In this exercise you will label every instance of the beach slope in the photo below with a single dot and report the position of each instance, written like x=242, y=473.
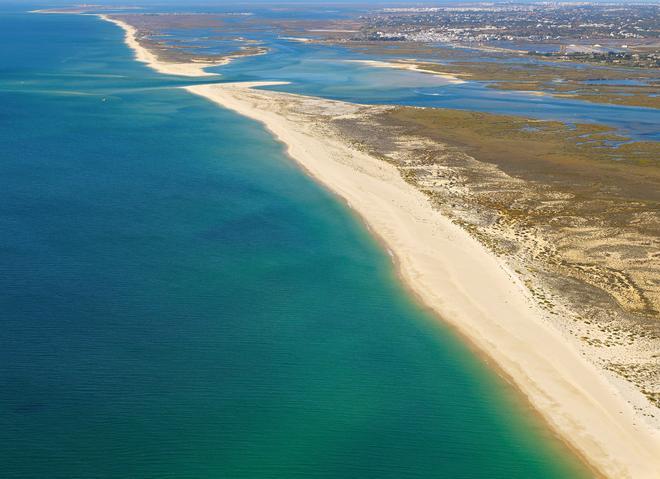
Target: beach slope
x=463, y=282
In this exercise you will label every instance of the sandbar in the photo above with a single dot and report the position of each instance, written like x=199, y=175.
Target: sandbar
x=410, y=66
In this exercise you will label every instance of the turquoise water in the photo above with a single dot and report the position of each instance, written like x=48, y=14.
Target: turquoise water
x=180, y=301
x=323, y=70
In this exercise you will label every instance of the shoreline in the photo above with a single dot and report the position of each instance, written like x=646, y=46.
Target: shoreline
x=467, y=287
x=410, y=65
x=143, y=55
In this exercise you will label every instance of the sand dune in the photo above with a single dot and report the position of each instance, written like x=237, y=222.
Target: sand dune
x=463, y=282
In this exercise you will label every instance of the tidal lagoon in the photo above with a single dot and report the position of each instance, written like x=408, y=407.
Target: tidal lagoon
x=180, y=300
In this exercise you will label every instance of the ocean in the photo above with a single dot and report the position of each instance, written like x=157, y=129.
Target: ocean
x=179, y=300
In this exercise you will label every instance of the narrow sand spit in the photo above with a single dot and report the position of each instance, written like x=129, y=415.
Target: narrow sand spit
x=169, y=68
x=411, y=66
x=464, y=283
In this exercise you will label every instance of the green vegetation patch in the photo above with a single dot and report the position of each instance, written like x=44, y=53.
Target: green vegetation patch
x=547, y=151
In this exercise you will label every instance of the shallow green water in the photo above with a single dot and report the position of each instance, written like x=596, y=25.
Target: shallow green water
x=180, y=301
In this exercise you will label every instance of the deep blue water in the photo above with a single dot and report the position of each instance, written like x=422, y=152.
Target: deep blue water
x=180, y=301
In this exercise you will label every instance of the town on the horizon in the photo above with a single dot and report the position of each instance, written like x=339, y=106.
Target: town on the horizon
x=622, y=33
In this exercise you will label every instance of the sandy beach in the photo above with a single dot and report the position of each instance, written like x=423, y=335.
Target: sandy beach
x=464, y=283
x=144, y=55
x=453, y=274
x=410, y=66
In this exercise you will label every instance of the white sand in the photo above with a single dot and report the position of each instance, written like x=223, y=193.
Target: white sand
x=454, y=275
x=411, y=66
x=146, y=56
x=466, y=285
x=297, y=39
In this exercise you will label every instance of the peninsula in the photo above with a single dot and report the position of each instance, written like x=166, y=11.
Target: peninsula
x=465, y=223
